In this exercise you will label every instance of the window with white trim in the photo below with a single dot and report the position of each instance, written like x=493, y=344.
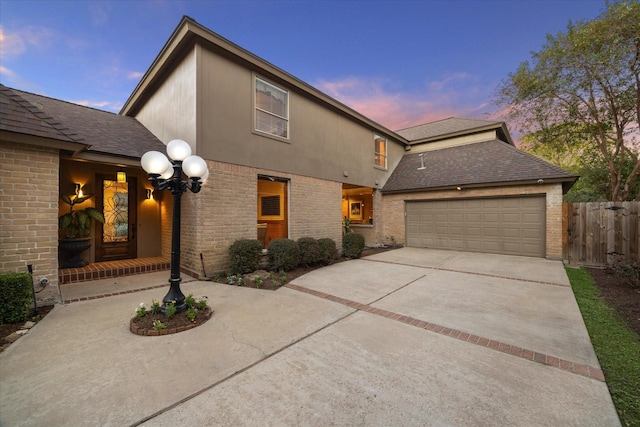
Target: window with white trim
x=380, y=151
x=271, y=109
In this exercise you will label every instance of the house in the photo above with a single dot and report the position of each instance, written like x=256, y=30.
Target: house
x=285, y=160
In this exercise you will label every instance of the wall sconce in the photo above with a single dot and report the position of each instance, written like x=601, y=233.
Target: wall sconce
x=121, y=176
x=79, y=190
x=459, y=188
x=149, y=194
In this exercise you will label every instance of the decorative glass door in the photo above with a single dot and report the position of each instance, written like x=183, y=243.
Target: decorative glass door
x=116, y=238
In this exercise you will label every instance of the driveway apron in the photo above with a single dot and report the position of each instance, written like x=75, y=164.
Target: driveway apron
x=405, y=337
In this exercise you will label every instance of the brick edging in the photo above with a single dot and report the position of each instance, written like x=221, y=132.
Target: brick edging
x=154, y=333
x=531, y=355
x=112, y=294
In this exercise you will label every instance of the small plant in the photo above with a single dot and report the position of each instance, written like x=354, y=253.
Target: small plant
x=141, y=311
x=259, y=281
x=192, y=313
x=328, y=250
x=190, y=301
x=346, y=226
x=244, y=255
x=77, y=223
x=283, y=276
x=170, y=310
x=235, y=279
x=157, y=325
x=284, y=254
x=202, y=303
x=310, y=252
x=352, y=245
x=155, y=306
x=220, y=277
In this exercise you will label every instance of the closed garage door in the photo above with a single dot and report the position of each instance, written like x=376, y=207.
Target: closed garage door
x=512, y=226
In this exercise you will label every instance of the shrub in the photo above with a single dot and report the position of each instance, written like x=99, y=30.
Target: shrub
x=352, y=245
x=309, y=251
x=244, y=255
x=283, y=254
x=16, y=294
x=328, y=250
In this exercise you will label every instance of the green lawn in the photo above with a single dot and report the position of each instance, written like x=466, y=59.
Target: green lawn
x=617, y=347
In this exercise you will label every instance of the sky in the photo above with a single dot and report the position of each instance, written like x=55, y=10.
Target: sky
x=400, y=63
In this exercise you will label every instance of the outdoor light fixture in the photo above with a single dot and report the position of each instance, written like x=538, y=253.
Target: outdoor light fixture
x=167, y=174
x=121, y=176
x=149, y=194
x=79, y=190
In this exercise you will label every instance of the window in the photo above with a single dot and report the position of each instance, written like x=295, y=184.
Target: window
x=380, y=151
x=272, y=109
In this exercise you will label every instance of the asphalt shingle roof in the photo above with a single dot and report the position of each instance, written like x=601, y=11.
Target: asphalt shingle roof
x=489, y=162
x=20, y=116
x=444, y=127
x=104, y=132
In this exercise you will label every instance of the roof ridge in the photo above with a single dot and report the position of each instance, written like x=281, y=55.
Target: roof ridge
x=15, y=94
x=540, y=160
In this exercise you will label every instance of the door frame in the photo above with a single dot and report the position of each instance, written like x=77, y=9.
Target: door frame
x=117, y=250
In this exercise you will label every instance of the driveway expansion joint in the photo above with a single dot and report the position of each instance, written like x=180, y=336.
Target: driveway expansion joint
x=451, y=270
x=531, y=355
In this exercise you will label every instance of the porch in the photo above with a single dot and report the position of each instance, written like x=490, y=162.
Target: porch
x=105, y=270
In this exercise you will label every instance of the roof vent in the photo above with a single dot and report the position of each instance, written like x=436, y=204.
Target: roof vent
x=422, y=167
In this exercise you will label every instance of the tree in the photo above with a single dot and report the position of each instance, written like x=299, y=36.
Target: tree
x=582, y=90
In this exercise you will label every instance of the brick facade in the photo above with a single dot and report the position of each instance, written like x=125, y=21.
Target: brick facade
x=393, y=209
x=29, y=206
x=225, y=210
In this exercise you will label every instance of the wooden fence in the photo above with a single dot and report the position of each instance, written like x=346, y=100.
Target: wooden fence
x=595, y=233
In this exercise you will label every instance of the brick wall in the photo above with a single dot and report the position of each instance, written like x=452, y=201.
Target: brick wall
x=225, y=210
x=394, y=221
x=29, y=206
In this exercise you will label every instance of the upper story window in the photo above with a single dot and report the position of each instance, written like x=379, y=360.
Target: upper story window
x=272, y=109
x=380, y=151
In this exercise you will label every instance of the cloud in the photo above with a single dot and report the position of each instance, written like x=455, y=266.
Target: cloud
x=15, y=43
x=135, y=75
x=7, y=72
x=113, y=106
x=458, y=95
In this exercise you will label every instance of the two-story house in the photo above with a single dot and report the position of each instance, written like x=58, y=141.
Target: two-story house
x=285, y=160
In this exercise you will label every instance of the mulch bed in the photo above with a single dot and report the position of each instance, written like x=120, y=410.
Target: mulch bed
x=177, y=323
x=620, y=295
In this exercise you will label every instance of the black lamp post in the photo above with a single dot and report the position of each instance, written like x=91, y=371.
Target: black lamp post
x=165, y=174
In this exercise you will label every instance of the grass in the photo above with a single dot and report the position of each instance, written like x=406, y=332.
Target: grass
x=617, y=347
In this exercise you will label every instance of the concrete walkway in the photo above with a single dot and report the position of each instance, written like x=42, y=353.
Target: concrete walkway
x=406, y=337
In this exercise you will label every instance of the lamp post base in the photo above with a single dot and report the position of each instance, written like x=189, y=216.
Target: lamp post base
x=174, y=296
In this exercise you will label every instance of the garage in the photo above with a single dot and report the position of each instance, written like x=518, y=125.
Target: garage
x=506, y=225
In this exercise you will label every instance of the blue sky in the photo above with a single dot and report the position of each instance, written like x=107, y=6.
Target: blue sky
x=400, y=63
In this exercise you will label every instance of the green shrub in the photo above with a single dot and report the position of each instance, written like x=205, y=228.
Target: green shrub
x=310, y=253
x=328, y=250
x=352, y=245
x=16, y=294
x=284, y=254
x=244, y=255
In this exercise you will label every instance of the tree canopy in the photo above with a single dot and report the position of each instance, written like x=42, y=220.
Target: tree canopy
x=578, y=99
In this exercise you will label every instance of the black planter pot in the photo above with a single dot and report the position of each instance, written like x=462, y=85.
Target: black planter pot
x=73, y=249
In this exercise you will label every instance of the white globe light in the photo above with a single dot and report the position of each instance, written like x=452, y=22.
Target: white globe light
x=204, y=178
x=154, y=162
x=178, y=149
x=168, y=174
x=194, y=166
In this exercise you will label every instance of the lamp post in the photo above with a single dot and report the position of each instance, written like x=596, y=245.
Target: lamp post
x=167, y=174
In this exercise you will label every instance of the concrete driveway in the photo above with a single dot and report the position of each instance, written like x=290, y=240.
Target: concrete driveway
x=406, y=337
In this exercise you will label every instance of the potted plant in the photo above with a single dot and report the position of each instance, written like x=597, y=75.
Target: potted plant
x=75, y=227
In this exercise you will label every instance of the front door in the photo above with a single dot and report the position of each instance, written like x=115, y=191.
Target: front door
x=116, y=238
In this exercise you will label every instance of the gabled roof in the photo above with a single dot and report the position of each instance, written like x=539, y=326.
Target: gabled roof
x=451, y=127
x=100, y=131
x=189, y=32
x=481, y=164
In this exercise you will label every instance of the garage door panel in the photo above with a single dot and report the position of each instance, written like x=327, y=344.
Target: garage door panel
x=512, y=225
